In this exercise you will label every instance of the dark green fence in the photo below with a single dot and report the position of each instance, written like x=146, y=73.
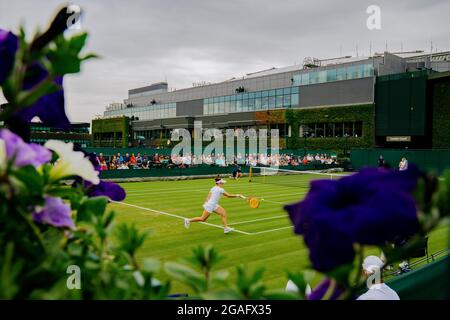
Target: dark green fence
x=200, y=170
x=431, y=160
x=428, y=282
x=142, y=151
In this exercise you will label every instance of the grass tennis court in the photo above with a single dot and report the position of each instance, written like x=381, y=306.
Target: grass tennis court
x=262, y=237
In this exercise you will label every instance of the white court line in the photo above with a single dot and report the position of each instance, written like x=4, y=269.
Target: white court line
x=176, y=216
x=262, y=219
x=271, y=230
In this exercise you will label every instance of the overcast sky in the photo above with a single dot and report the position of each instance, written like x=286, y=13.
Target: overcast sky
x=186, y=41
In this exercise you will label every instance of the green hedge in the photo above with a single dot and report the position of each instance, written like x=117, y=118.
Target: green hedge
x=364, y=113
x=441, y=115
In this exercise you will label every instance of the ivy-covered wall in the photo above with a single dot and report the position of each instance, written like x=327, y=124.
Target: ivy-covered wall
x=441, y=114
x=364, y=113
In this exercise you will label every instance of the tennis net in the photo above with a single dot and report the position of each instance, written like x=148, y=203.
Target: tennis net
x=288, y=177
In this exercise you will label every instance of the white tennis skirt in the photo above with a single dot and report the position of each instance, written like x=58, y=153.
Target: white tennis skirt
x=210, y=207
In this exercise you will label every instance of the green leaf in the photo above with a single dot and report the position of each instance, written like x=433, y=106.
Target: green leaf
x=186, y=275
x=32, y=180
x=77, y=42
x=92, y=208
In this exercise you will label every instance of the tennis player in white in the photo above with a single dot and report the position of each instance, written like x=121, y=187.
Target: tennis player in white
x=212, y=205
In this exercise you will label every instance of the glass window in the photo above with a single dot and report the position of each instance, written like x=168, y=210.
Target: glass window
x=272, y=102
x=251, y=104
x=216, y=99
x=341, y=74
x=227, y=106
x=239, y=96
x=287, y=100
x=233, y=98
x=221, y=107
x=338, y=129
x=279, y=102
x=348, y=128
x=286, y=91
x=331, y=75
x=297, y=80
x=216, y=108
x=279, y=92
x=367, y=70
x=251, y=95
x=272, y=93
x=232, y=106
x=238, y=105
x=245, y=105
x=352, y=72
x=294, y=90
x=227, y=98
x=358, y=129
x=245, y=96
x=294, y=100
x=265, y=103
x=305, y=78
x=329, y=130
x=320, y=130
x=221, y=99
x=323, y=76
x=313, y=77
x=258, y=104
x=258, y=94
x=265, y=93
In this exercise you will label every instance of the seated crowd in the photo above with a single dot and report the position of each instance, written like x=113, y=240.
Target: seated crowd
x=145, y=161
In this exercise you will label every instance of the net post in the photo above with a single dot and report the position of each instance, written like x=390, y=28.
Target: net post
x=250, y=174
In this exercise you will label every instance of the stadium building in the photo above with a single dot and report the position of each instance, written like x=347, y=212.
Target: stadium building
x=78, y=133
x=387, y=100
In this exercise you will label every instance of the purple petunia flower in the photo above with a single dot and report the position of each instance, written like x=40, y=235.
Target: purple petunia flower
x=8, y=48
x=50, y=108
x=322, y=291
x=23, y=153
x=55, y=213
x=371, y=207
x=109, y=189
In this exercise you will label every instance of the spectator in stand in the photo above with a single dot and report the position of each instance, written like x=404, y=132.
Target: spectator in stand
x=381, y=162
x=403, y=165
x=139, y=160
x=378, y=290
x=126, y=159
x=119, y=159
x=133, y=160
x=102, y=161
x=113, y=163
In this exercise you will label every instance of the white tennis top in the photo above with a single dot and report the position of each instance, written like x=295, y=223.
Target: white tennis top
x=379, y=291
x=216, y=194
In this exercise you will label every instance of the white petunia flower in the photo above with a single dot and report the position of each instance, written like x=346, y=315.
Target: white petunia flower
x=71, y=163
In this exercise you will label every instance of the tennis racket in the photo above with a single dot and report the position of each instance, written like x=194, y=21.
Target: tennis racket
x=253, y=202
